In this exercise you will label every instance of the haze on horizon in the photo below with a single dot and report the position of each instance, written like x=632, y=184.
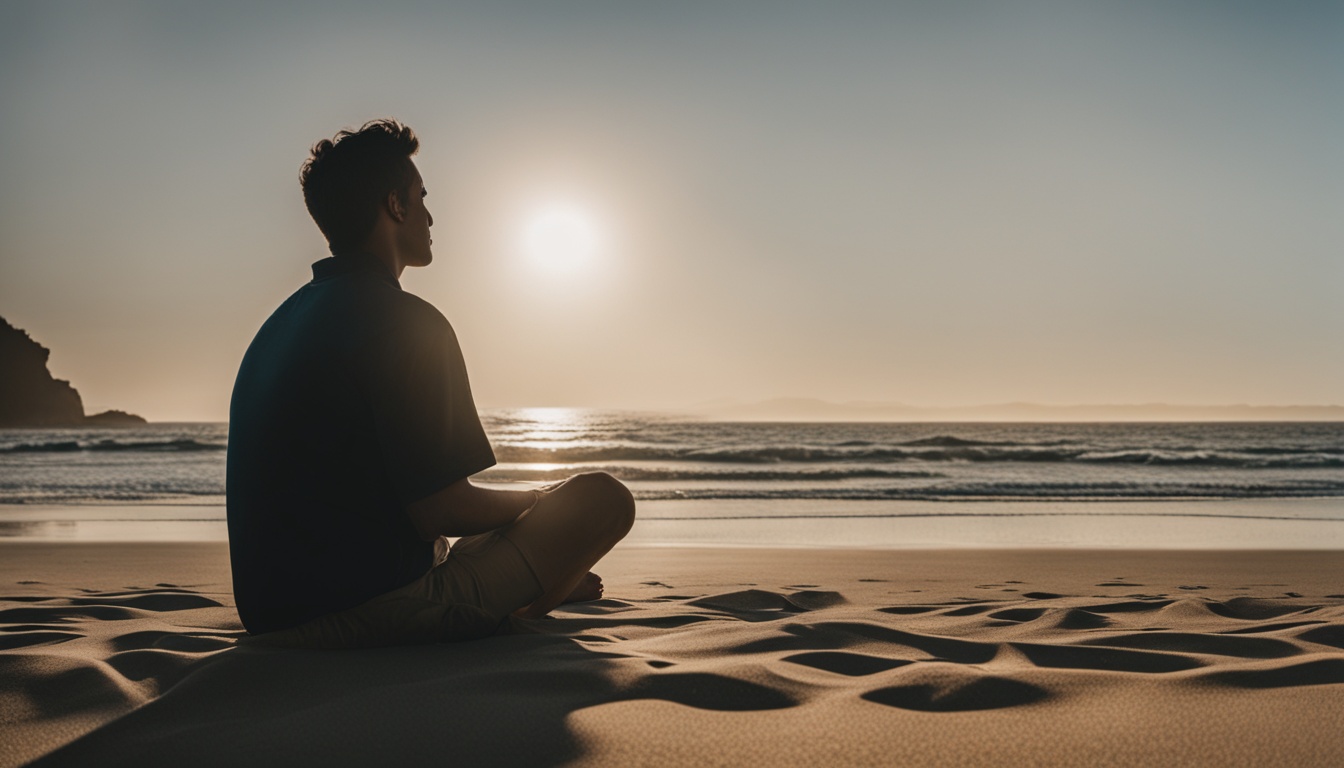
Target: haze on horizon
x=939, y=204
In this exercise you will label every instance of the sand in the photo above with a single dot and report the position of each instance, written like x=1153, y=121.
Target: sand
x=125, y=655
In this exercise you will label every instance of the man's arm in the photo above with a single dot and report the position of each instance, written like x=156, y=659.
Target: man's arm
x=463, y=509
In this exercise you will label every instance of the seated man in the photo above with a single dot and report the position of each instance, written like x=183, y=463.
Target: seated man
x=353, y=435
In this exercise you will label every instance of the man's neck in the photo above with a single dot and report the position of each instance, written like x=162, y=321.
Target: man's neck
x=382, y=249
x=391, y=261
x=388, y=261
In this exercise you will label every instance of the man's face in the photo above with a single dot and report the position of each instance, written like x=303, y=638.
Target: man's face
x=415, y=238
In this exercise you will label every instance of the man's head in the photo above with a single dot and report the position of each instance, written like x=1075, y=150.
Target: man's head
x=350, y=181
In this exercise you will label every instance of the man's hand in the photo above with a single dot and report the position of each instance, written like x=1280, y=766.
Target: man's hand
x=463, y=509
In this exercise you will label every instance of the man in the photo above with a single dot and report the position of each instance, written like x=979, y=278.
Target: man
x=353, y=435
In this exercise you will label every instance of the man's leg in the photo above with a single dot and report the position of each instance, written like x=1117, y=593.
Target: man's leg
x=568, y=530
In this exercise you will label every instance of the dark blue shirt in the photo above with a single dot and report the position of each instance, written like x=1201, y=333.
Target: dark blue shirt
x=351, y=403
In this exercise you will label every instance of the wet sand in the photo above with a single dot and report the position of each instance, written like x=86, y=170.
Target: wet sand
x=124, y=654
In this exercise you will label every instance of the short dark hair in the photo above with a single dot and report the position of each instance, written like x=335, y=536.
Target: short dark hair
x=346, y=178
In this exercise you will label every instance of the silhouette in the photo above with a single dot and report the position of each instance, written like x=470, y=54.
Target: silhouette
x=353, y=437
x=31, y=397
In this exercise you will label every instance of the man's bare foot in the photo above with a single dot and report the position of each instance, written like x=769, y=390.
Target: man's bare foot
x=588, y=588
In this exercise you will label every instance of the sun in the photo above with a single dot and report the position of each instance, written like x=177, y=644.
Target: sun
x=561, y=238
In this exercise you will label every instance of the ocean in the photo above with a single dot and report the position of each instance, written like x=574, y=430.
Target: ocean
x=773, y=483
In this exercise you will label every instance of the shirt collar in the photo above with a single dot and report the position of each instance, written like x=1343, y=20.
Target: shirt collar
x=347, y=262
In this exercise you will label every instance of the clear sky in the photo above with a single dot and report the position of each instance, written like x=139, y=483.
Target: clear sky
x=937, y=203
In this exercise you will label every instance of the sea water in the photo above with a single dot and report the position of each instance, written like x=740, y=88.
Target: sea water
x=780, y=484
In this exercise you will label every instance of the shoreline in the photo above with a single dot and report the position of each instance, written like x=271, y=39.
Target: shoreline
x=1229, y=524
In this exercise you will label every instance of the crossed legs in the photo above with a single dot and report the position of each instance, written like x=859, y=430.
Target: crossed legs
x=566, y=532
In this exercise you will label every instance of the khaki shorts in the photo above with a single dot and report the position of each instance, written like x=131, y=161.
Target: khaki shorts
x=470, y=593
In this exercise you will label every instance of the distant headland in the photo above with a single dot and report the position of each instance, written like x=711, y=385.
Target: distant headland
x=30, y=397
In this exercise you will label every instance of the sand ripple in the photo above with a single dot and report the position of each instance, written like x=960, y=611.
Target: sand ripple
x=158, y=670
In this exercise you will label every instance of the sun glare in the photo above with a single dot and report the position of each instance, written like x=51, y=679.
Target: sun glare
x=561, y=238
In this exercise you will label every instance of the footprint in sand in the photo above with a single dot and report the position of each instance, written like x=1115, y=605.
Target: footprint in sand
x=1063, y=618
x=174, y=641
x=909, y=609
x=1128, y=606
x=60, y=614
x=1254, y=609
x=164, y=668
x=12, y=639
x=972, y=610
x=599, y=607
x=1018, y=614
x=959, y=694
x=108, y=606
x=833, y=635
x=150, y=601
x=1331, y=635
x=622, y=619
x=845, y=663
x=1193, y=642
x=1105, y=659
x=761, y=605
x=1261, y=628
x=707, y=691
x=1317, y=672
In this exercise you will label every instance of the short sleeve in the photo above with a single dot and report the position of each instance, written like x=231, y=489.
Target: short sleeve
x=425, y=422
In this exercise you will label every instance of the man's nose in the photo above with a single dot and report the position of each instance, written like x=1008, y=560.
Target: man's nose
x=431, y=218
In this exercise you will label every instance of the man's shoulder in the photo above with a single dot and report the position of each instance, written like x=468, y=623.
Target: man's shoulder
x=419, y=309
x=409, y=315
x=379, y=305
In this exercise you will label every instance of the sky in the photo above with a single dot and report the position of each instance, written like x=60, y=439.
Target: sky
x=936, y=203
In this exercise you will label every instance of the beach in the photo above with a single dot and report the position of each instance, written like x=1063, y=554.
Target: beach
x=791, y=594
x=973, y=370
x=127, y=653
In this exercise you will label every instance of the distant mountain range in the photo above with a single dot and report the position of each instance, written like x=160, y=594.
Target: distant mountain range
x=810, y=409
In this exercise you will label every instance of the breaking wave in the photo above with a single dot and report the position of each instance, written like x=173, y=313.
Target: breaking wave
x=805, y=454
x=1020, y=491
x=156, y=446
x=727, y=475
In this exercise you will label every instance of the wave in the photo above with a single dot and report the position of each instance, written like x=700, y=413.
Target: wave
x=952, y=441
x=157, y=446
x=949, y=441
x=1238, y=459
x=655, y=474
x=175, y=496
x=1242, y=459
x=1016, y=491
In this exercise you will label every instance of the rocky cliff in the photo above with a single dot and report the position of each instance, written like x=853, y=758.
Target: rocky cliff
x=30, y=397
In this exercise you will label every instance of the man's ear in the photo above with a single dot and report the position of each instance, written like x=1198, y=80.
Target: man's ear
x=395, y=208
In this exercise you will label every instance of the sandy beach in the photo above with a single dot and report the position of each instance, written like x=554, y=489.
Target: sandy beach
x=117, y=654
